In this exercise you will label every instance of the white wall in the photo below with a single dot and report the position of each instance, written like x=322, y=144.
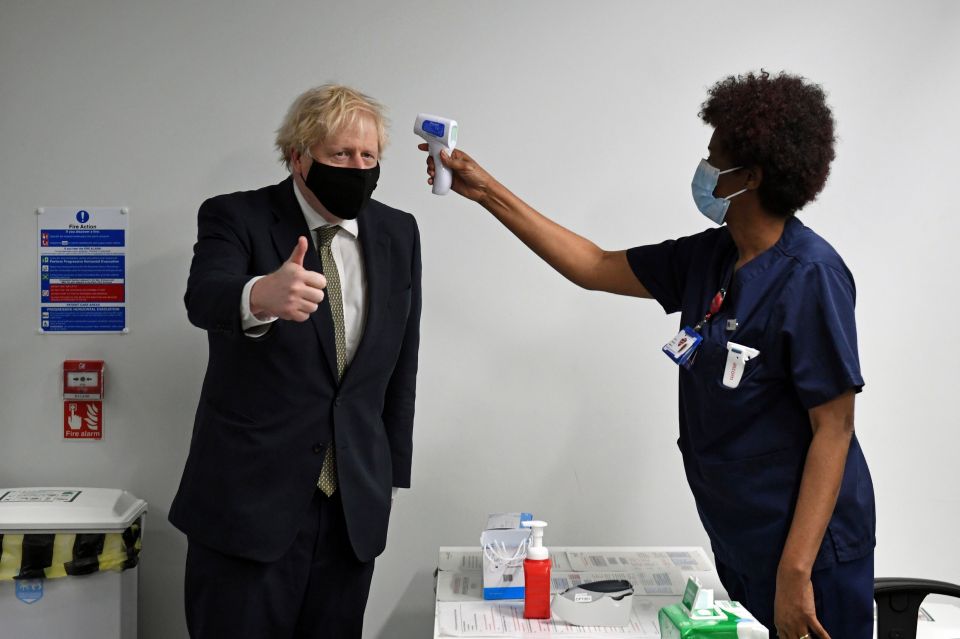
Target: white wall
x=588, y=110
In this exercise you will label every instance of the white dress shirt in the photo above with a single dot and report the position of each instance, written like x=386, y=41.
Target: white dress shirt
x=348, y=258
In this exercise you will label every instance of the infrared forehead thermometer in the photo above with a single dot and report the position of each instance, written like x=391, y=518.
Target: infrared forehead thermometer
x=440, y=133
x=737, y=357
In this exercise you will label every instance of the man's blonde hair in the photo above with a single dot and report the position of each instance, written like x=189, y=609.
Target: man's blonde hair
x=323, y=111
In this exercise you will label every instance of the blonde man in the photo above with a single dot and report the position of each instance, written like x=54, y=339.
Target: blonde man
x=309, y=291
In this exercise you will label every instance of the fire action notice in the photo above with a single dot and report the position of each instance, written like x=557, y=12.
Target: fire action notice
x=83, y=270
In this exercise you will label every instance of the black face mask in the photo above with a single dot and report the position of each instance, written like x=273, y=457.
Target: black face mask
x=343, y=191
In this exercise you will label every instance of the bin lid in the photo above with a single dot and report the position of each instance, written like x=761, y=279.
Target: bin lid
x=52, y=510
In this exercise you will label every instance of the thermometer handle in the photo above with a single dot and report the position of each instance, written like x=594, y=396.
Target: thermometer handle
x=443, y=177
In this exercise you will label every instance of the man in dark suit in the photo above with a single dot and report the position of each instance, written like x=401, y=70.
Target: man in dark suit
x=310, y=295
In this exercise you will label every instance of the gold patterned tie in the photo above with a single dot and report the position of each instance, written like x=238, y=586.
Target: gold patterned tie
x=325, y=235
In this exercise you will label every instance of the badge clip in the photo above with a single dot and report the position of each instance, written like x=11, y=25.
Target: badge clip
x=737, y=358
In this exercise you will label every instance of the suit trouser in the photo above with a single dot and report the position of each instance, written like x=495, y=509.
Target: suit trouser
x=842, y=594
x=317, y=590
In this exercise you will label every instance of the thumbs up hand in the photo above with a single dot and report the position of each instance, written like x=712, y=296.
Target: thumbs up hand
x=291, y=292
x=299, y=251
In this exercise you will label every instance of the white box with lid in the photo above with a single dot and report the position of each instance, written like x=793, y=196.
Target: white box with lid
x=101, y=604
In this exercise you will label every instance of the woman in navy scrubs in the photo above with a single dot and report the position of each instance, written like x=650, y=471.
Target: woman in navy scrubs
x=767, y=387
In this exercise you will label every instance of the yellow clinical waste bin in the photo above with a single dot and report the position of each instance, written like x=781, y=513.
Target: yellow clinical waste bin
x=69, y=562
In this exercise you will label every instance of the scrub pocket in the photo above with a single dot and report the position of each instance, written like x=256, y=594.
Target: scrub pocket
x=711, y=363
x=748, y=504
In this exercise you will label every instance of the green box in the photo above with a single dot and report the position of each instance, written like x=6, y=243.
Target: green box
x=725, y=620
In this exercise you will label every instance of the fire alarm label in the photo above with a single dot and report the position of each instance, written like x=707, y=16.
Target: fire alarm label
x=83, y=419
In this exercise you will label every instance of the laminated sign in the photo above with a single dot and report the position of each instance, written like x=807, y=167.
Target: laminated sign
x=82, y=276
x=83, y=419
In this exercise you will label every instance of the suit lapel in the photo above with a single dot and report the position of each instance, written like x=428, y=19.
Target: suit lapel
x=375, y=244
x=290, y=225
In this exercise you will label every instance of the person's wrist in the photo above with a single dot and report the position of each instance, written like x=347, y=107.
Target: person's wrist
x=492, y=195
x=792, y=569
x=257, y=309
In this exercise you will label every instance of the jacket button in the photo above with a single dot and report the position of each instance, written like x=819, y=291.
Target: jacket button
x=317, y=449
x=336, y=402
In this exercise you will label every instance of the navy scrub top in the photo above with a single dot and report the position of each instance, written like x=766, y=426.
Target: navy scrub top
x=744, y=448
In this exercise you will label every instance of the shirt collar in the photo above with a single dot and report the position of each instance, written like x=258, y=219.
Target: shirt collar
x=315, y=220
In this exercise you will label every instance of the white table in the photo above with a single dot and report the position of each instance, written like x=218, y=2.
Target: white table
x=459, y=576
x=941, y=621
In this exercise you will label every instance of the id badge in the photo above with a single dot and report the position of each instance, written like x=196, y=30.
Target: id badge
x=682, y=348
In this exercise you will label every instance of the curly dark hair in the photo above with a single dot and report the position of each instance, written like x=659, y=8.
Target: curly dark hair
x=781, y=123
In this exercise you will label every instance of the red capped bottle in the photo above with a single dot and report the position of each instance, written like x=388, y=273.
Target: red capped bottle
x=536, y=574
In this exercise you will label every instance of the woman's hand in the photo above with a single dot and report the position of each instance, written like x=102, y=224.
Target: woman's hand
x=469, y=178
x=794, y=612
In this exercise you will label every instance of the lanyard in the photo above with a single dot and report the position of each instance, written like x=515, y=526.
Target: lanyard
x=717, y=302
x=715, y=305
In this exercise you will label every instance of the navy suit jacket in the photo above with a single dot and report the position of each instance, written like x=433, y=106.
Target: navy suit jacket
x=270, y=405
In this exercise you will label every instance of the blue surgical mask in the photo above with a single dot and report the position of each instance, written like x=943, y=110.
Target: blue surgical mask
x=703, y=185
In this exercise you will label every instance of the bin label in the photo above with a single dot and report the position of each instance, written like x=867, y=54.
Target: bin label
x=38, y=495
x=29, y=590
